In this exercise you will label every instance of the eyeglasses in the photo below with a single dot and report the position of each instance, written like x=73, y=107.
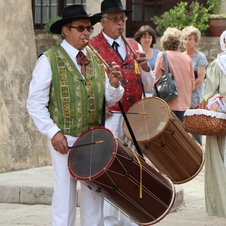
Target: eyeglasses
x=81, y=28
x=117, y=19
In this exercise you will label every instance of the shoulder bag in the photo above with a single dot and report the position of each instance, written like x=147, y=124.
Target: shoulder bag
x=166, y=87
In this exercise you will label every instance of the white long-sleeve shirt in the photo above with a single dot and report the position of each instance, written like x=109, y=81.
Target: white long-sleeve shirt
x=38, y=96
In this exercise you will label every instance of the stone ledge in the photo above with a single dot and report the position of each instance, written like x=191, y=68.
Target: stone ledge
x=29, y=195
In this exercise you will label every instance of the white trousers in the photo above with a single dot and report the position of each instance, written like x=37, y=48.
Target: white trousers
x=63, y=210
x=112, y=216
x=91, y=209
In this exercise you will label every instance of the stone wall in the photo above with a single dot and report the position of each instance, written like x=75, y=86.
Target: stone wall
x=21, y=145
x=210, y=46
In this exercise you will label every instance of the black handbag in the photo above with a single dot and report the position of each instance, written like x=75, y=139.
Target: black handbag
x=166, y=87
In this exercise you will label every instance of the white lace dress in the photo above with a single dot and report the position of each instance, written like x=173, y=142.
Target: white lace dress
x=215, y=174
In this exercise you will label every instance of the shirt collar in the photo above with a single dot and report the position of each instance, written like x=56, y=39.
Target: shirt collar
x=110, y=40
x=71, y=50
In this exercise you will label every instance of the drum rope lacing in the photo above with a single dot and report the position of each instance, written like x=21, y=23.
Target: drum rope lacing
x=182, y=167
x=164, y=145
x=141, y=177
x=124, y=195
x=176, y=159
x=132, y=179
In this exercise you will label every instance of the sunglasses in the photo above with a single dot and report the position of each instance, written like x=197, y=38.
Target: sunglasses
x=82, y=28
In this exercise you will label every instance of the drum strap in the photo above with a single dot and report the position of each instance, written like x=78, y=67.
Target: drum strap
x=130, y=130
x=143, y=90
x=103, y=113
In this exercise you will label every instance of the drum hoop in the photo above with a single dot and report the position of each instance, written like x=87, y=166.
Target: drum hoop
x=108, y=164
x=169, y=116
x=166, y=124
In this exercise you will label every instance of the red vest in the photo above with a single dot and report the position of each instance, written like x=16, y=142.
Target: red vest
x=130, y=80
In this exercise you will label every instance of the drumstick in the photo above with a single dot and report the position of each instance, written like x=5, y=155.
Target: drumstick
x=123, y=142
x=97, y=142
x=135, y=113
x=98, y=55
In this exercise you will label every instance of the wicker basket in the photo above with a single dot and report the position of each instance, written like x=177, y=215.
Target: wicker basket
x=205, y=122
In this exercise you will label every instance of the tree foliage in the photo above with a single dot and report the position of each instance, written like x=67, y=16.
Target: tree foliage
x=183, y=15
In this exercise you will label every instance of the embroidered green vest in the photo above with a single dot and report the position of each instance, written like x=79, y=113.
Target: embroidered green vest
x=75, y=104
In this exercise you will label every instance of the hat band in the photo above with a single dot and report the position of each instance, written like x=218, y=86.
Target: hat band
x=114, y=9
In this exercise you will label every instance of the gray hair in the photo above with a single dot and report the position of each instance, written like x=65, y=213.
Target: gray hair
x=68, y=25
x=171, y=39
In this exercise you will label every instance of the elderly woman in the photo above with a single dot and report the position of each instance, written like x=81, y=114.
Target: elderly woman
x=147, y=36
x=191, y=37
x=181, y=67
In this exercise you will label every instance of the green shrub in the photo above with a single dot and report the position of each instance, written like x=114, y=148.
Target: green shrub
x=183, y=15
x=50, y=22
x=214, y=5
x=212, y=16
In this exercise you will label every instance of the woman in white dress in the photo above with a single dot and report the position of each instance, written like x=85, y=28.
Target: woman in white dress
x=215, y=149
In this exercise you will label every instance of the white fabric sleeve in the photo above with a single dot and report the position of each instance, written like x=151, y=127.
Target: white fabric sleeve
x=38, y=98
x=112, y=95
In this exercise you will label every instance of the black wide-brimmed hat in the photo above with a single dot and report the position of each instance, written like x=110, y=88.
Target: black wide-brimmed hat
x=111, y=6
x=70, y=13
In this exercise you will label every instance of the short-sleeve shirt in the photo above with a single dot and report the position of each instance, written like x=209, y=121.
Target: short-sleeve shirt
x=197, y=95
x=152, y=61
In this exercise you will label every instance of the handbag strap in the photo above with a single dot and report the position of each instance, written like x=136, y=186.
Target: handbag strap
x=165, y=62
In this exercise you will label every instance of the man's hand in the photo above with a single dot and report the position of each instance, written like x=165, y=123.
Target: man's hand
x=59, y=142
x=142, y=60
x=107, y=113
x=114, y=74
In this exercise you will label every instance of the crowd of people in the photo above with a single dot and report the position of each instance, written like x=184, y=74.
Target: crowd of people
x=71, y=92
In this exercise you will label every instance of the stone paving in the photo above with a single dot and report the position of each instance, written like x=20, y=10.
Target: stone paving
x=192, y=211
x=25, y=198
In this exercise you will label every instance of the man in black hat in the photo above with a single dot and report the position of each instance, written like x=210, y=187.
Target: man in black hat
x=66, y=99
x=135, y=74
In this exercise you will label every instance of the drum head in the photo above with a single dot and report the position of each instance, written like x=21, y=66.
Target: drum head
x=91, y=160
x=150, y=125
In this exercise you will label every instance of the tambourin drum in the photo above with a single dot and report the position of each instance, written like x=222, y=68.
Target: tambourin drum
x=163, y=140
x=114, y=171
